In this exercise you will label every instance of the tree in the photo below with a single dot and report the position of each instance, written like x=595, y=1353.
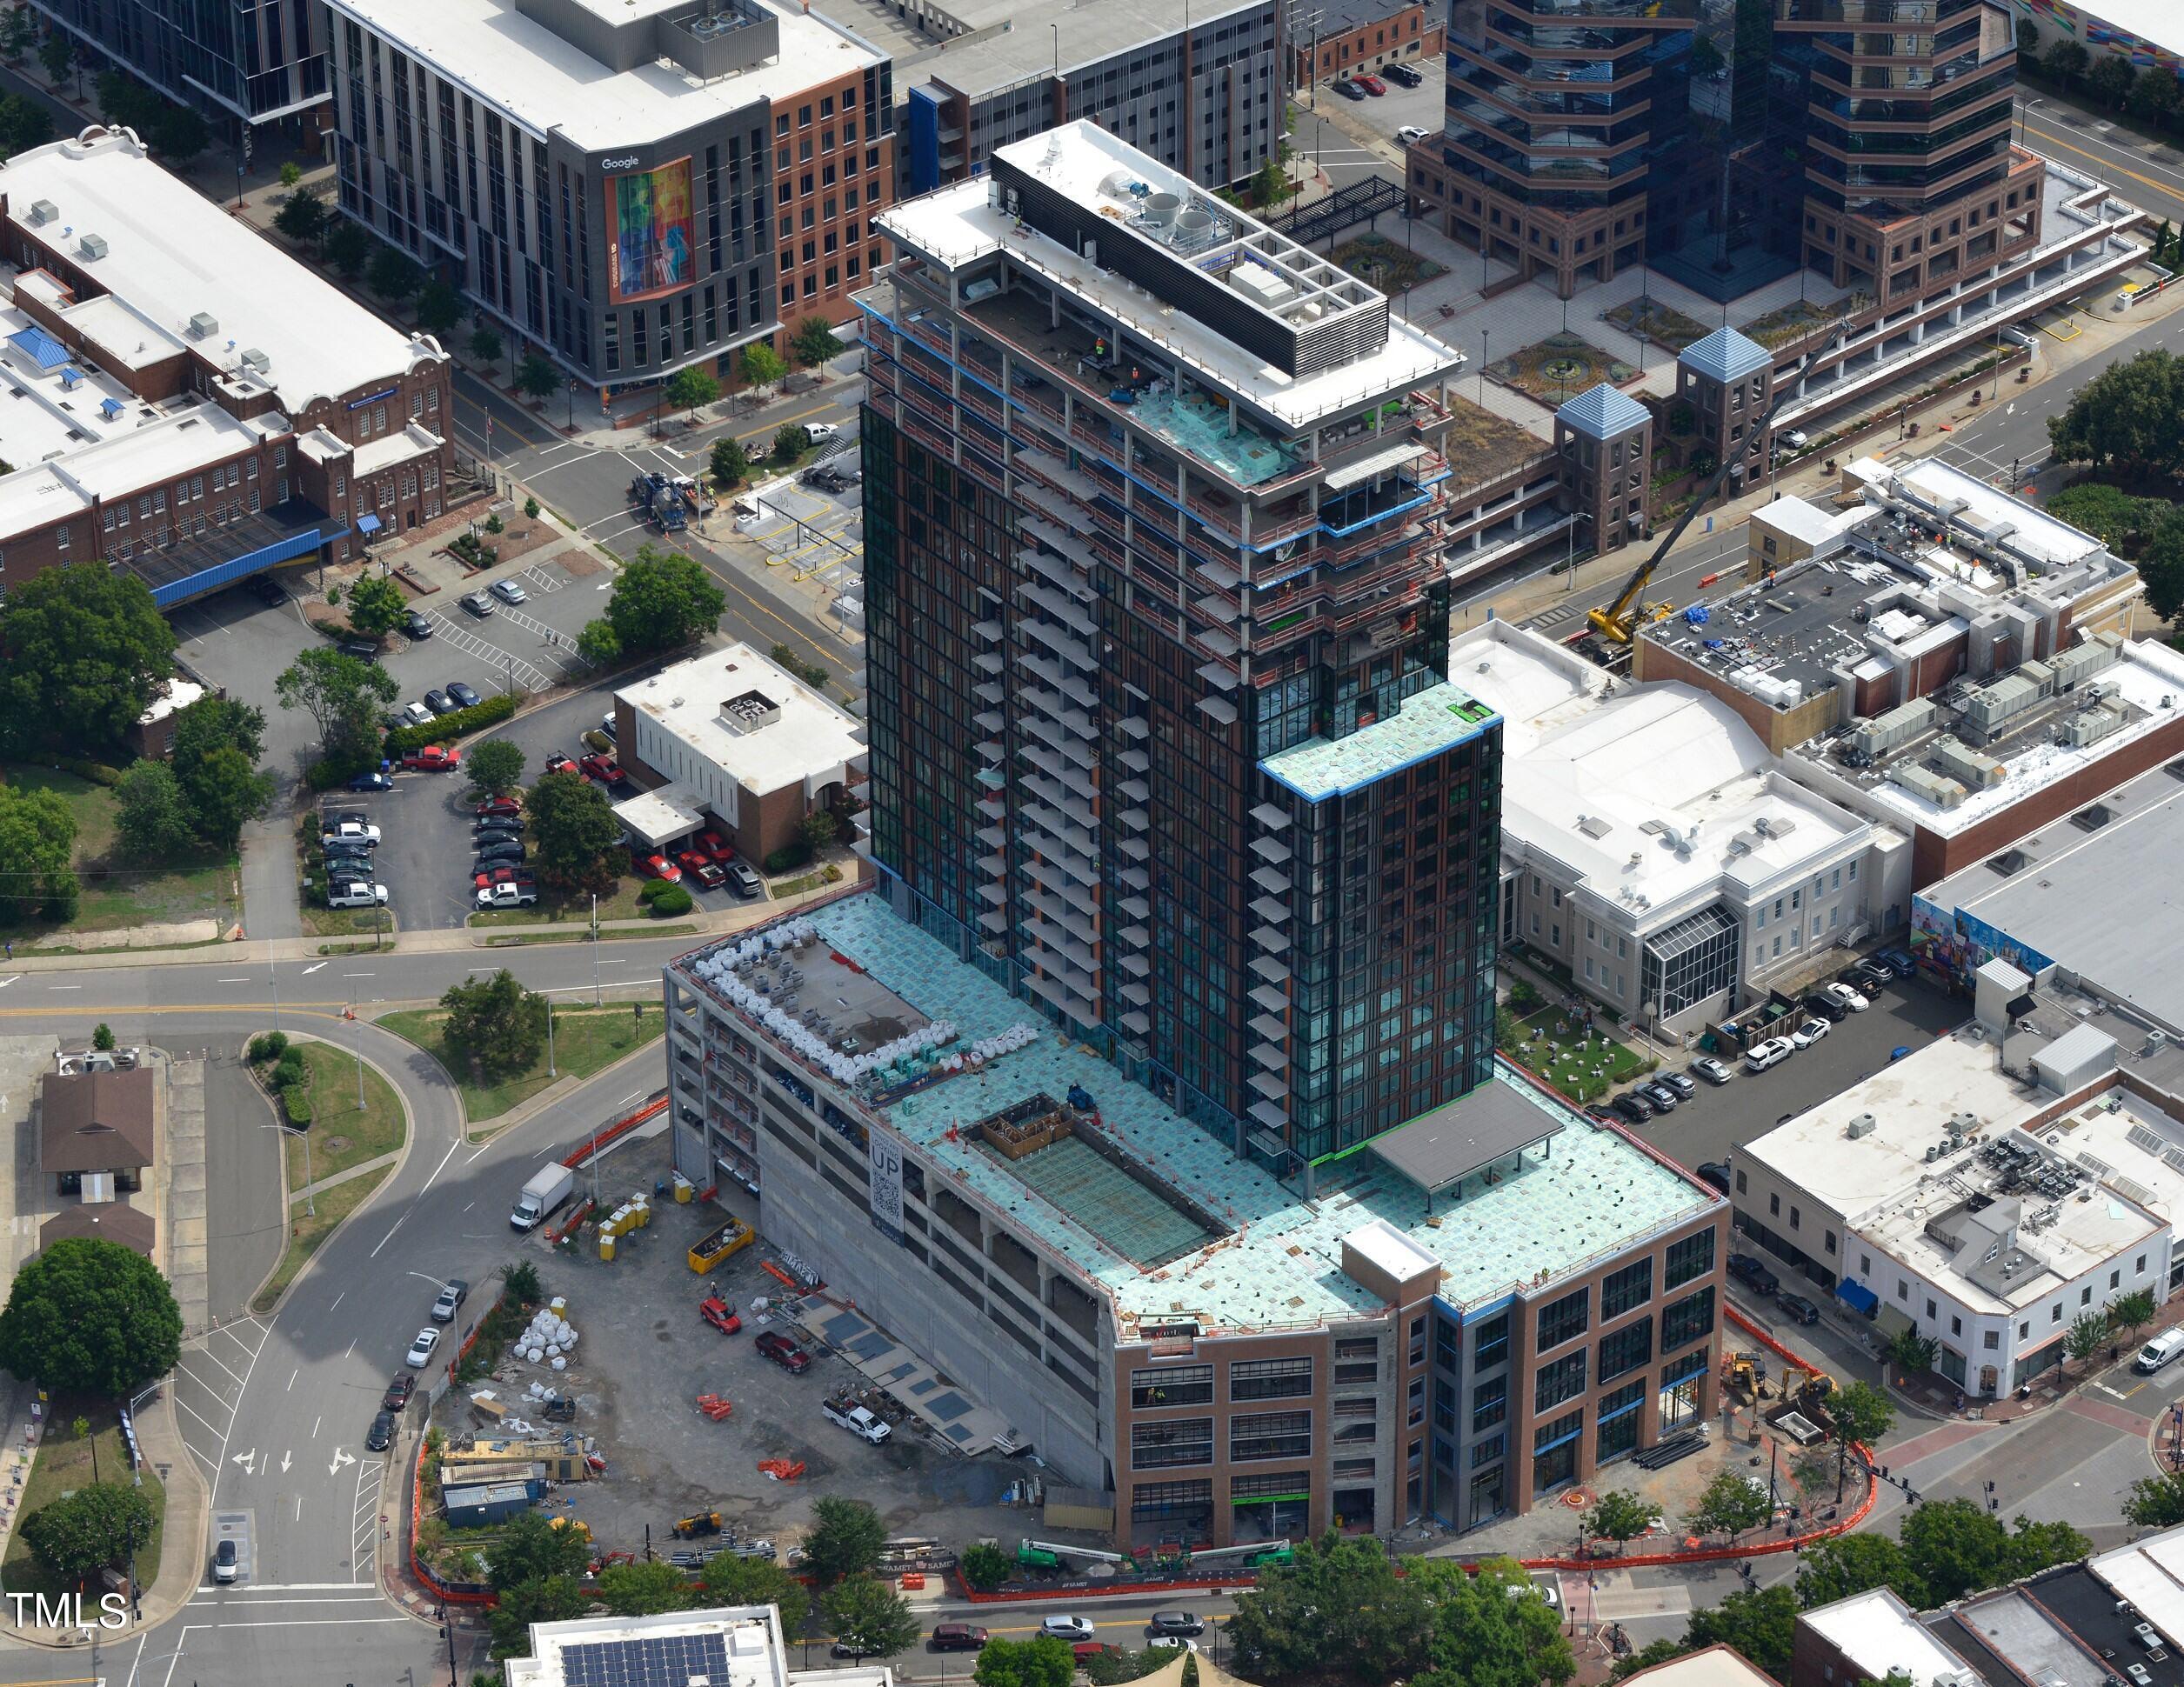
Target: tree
x=520, y=1278
x=817, y=829
x=761, y=366
x=2160, y=565
x=599, y=644
x=2156, y=1502
x=1956, y=1547
x=2087, y=1334
x=691, y=390
x=152, y=821
x=2027, y=38
x=730, y=464
x=845, y=1539
x=530, y=1549
x=86, y=1531
x=2038, y=1546
x=1042, y=1661
x=2128, y=418
x=643, y=1590
x=501, y=1025
x=662, y=599
x=102, y=1036
x=1912, y=1353
x=213, y=723
x=1112, y=1669
x=873, y=1620
x=790, y=442
x=985, y=1566
x=2153, y=98
x=291, y=174
x=178, y=134
x=495, y=766
x=225, y=793
x=344, y=696
x=2065, y=62
x=814, y=343
x=2110, y=80
x=572, y=833
x=2133, y=1313
x=57, y=53
x=546, y=1599
x=439, y=307
x=1618, y=1517
x=729, y=1580
x=1837, y=1568
x=88, y=1316
x=2109, y=513
x=486, y=344
x=38, y=849
x=535, y=376
x=303, y=218
x=346, y=246
x=1339, y=1608
x=24, y=123
x=393, y=274
x=1477, y=1635
x=1862, y=1415
x=16, y=32
x=83, y=652
x=376, y=606
x=1729, y=1506
x=1761, y=1623
x=1269, y=188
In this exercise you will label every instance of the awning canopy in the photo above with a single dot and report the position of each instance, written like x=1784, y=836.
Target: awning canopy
x=1856, y=1296
x=661, y=816
x=367, y=525
x=1439, y=1149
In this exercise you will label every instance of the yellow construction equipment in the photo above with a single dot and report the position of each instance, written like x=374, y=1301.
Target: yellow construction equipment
x=1619, y=620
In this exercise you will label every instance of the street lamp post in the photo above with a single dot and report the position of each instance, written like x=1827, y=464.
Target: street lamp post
x=551, y=1072
x=572, y=406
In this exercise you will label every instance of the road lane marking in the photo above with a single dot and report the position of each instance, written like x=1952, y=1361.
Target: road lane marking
x=313, y=967
x=65, y=986
x=214, y=1359
x=338, y=1298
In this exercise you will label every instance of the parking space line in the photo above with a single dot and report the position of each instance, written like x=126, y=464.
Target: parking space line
x=507, y=661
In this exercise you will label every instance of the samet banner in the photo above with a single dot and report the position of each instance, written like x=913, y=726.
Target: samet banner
x=650, y=213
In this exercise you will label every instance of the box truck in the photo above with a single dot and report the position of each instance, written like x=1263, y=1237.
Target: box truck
x=545, y=1193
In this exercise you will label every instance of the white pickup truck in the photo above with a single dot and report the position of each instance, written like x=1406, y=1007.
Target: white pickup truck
x=854, y=1419
x=507, y=896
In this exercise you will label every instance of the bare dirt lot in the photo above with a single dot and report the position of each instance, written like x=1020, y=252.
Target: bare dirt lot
x=644, y=1357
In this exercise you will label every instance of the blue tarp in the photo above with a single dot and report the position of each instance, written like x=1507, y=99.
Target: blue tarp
x=1856, y=1296
x=40, y=347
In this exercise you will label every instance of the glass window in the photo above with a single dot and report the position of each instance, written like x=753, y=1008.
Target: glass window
x=1685, y=1321
x=1691, y=1258
x=1269, y=1435
x=1489, y=1403
x=1269, y=1379
x=1172, y=1386
x=1632, y=1286
x=1563, y=1379
x=1490, y=1346
x=1626, y=1350
x=1565, y=1319
x=1188, y=1441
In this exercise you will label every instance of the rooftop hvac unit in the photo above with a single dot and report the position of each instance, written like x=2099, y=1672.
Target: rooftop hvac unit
x=43, y=210
x=203, y=325
x=1861, y=1124
x=257, y=360
x=91, y=247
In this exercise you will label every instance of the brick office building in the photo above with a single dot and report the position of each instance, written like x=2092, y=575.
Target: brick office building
x=193, y=405
x=1357, y=39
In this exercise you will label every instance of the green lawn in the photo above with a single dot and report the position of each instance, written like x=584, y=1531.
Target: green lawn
x=340, y=1136
x=1555, y=1045
x=553, y=908
x=65, y=1462
x=307, y=1230
x=115, y=895
x=586, y=1039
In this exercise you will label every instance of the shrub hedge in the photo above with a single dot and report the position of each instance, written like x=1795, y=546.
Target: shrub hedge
x=296, y=1104
x=97, y=772
x=491, y=712
x=672, y=899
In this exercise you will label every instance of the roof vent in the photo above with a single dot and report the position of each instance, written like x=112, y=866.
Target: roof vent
x=1861, y=1124
x=203, y=325
x=43, y=210
x=93, y=246
x=256, y=360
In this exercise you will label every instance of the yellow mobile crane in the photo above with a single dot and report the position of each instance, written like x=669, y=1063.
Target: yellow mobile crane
x=1617, y=621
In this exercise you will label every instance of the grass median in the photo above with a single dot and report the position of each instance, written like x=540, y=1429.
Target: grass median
x=68, y=1461
x=584, y=1040
x=341, y=1135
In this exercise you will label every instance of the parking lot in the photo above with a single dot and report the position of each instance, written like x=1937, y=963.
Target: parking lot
x=810, y=533
x=644, y=1356
x=1423, y=107
x=521, y=648
x=1717, y=1119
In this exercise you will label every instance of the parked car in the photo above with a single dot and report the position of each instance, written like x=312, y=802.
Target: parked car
x=817, y=433
x=1792, y=438
x=710, y=874
x=226, y=1565
x=1680, y=1081
x=558, y=763
x=380, y=1436
x=1067, y=1628
x=1797, y=1309
x=372, y=782
x=1754, y=1275
x=1372, y=85
x=520, y=884
x=1403, y=73
x=1836, y=990
x=1867, y=976
x=267, y=589
x=465, y=698
x=1633, y=1108
x=1711, y=1070
x=1772, y=1052
x=957, y=1637
x=496, y=822
x=1827, y=1007
x=1897, y=961
x=422, y=1348
x=438, y=701
x=604, y=769
x=1810, y=1032
x=716, y=1312
x=1715, y=1172
x=431, y=758
x=690, y=860
x=1410, y=134
x=362, y=649
x=716, y=846
x=1086, y=1651
x=396, y=1398
x=418, y=624
x=500, y=848
x=1665, y=1099
x=744, y=883
x=657, y=866
x=1349, y=89
x=1175, y=1622
x=772, y=1344
x=498, y=806
x=356, y=893
x=476, y=602
x=349, y=861
x=416, y=714
x=509, y=592
x=350, y=831
x=453, y=1293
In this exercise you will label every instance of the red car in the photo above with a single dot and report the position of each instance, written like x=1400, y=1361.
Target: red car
x=604, y=769
x=505, y=875
x=1372, y=85
x=1088, y=1650
x=716, y=846
x=398, y=1393
x=658, y=866
x=559, y=763
x=710, y=874
x=715, y=1311
x=784, y=1352
x=432, y=758
x=498, y=806
x=690, y=860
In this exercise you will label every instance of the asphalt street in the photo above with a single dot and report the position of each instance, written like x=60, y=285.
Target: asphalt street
x=2147, y=173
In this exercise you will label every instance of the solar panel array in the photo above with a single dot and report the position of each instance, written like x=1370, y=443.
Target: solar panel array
x=668, y=1660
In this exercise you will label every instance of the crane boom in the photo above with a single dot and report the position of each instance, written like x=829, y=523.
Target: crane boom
x=1617, y=621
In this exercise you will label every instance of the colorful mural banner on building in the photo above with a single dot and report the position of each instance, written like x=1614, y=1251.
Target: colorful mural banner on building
x=2083, y=24
x=1959, y=944
x=649, y=211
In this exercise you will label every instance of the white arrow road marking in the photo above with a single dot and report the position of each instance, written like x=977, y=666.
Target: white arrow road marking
x=310, y=969
x=10, y=979
x=248, y=1461
x=286, y=1458
x=340, y=1459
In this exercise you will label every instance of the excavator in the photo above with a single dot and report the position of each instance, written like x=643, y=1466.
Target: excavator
x=1616, y=622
